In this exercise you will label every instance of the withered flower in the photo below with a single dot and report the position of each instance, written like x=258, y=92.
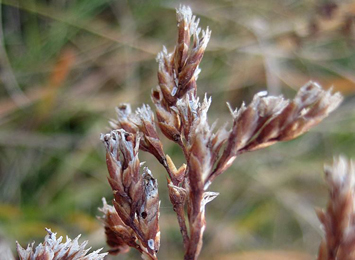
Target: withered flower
x=124, y=119
x=119, y=236
x=202, y=143
x=141, y=121
x=54, y=249
x=182, y=118
x=178, y=71
x=187, y=58
x=168, y=117
x=136, y=197
x=268, y=120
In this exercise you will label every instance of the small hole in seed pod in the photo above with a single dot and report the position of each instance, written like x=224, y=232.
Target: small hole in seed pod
x=156, y=95
x=176, y=137
x=144, y=214
x=128, y=137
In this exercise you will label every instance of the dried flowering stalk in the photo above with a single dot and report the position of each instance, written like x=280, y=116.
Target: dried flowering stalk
x=338, y=220
x=182, y=118
x=272, y=119
x=53, y=248
x=136, y=197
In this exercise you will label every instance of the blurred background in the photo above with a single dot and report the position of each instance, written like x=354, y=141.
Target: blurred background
x=66, y=64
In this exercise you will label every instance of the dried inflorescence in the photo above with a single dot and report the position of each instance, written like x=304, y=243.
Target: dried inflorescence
x=119, y=236
x=208, y=151
x=53, y=249
x=141, y=121
x=136, y=197
x=132, y=221
x=268, y=120
x=338, y=220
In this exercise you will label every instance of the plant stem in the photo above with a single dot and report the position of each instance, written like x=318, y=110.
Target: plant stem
x=180, y=214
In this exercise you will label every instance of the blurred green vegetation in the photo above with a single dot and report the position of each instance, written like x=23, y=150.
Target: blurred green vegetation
x=65, y=65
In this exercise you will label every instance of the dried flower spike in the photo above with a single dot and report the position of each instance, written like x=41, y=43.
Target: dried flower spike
x=53, y=249
x=183, y=119
x=178, y=71
x=136, y=197
x=119, y=236
x=142, y=121
x=268, y=120
x=338, y=220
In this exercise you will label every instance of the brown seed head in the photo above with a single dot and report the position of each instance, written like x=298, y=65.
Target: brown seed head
x=119, y=236
x=136, y=197
x=268, y=120
x=142, y=121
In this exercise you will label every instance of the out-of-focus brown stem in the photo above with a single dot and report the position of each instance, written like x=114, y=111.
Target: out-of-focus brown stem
x=195, y=213
x=190, y=243
x=179, y=210
x=180, y=214
x=195, y=242
x=177, y=197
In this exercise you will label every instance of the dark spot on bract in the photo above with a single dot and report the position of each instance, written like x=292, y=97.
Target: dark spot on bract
x=176, y=137
x=144, y=214
x=156, y=95
x=128, y=137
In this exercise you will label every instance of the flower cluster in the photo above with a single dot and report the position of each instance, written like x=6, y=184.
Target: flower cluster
x=54, y=249
x=136, y=197
x=208, y=151
x=133, y=219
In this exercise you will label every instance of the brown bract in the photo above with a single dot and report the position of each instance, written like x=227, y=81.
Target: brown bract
x=141, y=121
x=119, y=236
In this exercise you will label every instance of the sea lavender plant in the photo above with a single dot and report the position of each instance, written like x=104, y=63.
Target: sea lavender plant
x=132, y=221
